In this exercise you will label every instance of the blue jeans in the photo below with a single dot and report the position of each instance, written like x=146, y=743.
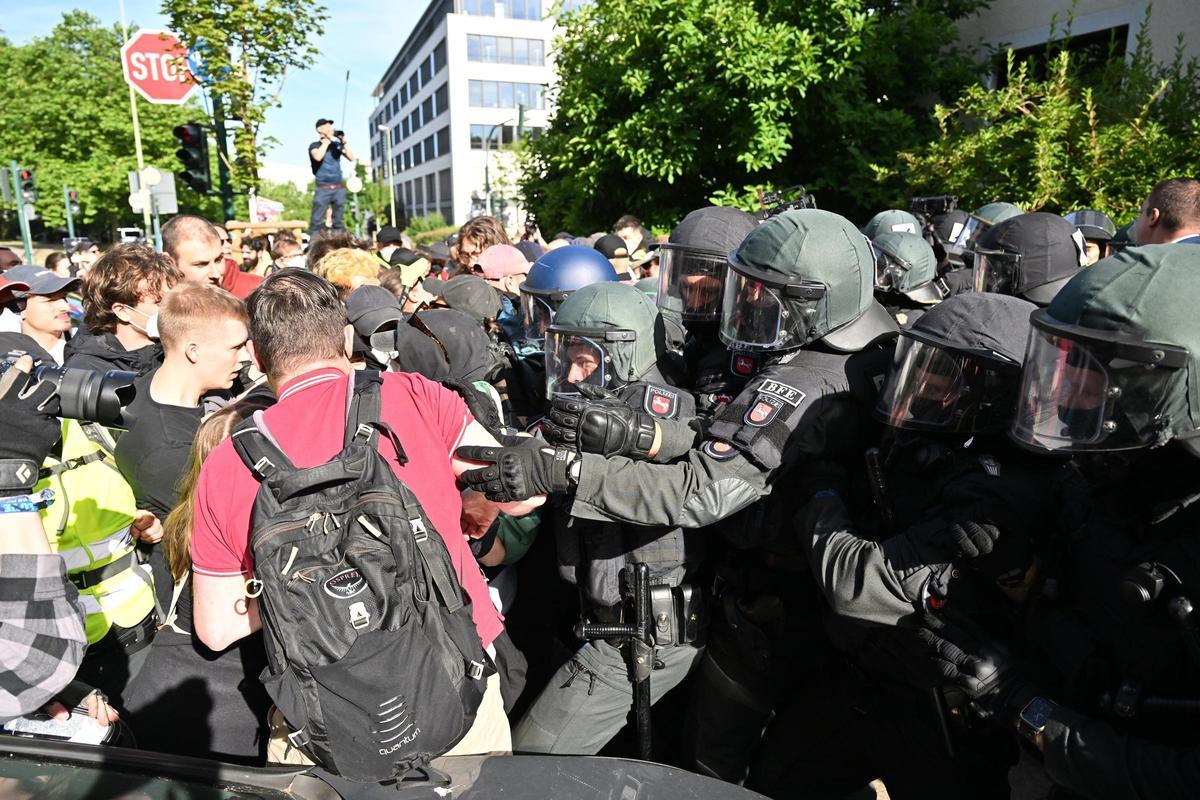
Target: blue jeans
x=321, y=201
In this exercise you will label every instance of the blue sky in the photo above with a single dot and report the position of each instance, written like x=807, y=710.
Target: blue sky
x=361, y=36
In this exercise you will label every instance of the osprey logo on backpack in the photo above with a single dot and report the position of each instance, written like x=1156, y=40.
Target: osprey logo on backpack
x=345, y=584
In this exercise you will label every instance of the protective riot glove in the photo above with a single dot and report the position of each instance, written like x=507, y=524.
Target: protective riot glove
x=932, y=650
x=28, y=427
x=600, y=422
x=968, y=539
x=993, y=537
x=520, y=472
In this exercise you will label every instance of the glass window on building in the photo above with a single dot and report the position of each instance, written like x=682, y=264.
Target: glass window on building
x=444, y=188
x=395, y=134
x=404, y=94
x=537, y=52
x=536, y=99
x=487, y=49
x=475, y=92
x=521, y=94
x=419, y=195
x=504, y=50
x=427, y=112
x=479, y=8
x=430, y=145
x=489, y=94
x=443, y=99
x=413, y=85
x=474, y=47
x=431, y=190
x=404, y=128
x=477, y=137
x=426, y=72
x=506, y=95
x=439, y=56
x=443, y=141
x=520, y=51
x=507, y=134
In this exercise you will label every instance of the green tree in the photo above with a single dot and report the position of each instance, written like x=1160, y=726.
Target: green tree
x=247, y=47
x=297, y=203
x=663, y=105
x=67, y=114
x=1077, y=138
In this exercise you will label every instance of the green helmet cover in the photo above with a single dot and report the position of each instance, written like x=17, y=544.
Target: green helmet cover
x=610, y=307
x=816, y=246
x=893, y=220
x=1146, y=292
x=995, y=213
x=913, y=251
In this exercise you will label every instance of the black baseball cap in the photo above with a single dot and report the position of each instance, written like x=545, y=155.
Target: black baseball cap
x=612, y=246
x=467, y=293
x=369, y=308
x=323, y=121
x=389, y=234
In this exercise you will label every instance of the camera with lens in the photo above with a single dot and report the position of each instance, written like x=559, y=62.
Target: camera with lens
x=86, y=395
x=933, y=206
x=531, y=224
x=340, y=134
x=789, y=199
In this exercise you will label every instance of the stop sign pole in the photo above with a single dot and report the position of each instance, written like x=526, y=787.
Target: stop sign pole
x=148, y=72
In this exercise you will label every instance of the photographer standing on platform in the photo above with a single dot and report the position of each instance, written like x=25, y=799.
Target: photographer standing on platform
x=325, y=156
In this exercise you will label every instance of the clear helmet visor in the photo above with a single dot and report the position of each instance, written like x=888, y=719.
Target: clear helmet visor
x=536, y=314
x=969, y=232
x=756, y=316
x=1079, y=395
x=996, y=271
x=932, y=388
x=690, y=283
x=573, y=359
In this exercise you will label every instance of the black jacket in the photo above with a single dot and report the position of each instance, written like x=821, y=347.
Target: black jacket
x=103, y=351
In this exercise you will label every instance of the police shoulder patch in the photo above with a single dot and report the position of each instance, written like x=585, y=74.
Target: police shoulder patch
x=661, y=402
x=743, y=364
x=764, y=409
x=718, y=449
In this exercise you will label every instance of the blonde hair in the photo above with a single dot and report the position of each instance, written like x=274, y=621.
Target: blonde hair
x=348, y=268
x=216, y=428
x=191, y=305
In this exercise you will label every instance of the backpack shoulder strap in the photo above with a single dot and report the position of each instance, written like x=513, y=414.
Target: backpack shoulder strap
x=258, y=450
x=364, y=412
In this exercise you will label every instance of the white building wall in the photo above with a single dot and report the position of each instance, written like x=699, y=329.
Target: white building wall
x=466, y=165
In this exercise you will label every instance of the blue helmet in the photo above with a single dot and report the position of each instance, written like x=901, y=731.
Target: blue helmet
x=553, y=277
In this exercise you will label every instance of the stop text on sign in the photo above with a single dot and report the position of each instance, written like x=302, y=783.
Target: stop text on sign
x=154, y=63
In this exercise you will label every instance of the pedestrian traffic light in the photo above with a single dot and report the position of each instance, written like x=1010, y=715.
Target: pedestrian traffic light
x=193, y=155
x=29, y=193
x=74, y=195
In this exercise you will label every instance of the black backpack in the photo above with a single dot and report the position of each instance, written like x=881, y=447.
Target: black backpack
x=372, y=654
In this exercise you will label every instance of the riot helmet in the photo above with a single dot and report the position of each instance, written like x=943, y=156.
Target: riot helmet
x=801, y=276
x=1113, y=362
x=983, y=218
x=1124, y=237
x=1030, y=256
x=893, y=220
x=606, y=335
x=905, y=264
x=553, y=277
x=1098, y=230
x=958, y=368
x=691, y=271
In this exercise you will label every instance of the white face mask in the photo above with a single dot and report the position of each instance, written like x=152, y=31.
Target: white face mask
x=151, y=329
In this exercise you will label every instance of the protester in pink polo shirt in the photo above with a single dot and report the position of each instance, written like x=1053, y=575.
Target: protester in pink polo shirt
x=300, y=339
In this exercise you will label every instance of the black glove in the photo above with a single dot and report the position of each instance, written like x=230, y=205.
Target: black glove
x=930, y=650
x=28, y=427
x=516, y=473
x=968, y=539
x=993, y=536
x=600, y=422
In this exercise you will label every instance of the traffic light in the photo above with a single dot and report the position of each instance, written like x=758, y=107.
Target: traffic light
x=74, y=195
x=193, y=155
x=29, y=192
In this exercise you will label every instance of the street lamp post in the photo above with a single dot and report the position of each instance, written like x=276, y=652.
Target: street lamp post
x=390, y=177
x=487, y=161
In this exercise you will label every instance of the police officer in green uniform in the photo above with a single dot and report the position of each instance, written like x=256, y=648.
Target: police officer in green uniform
x=605, y=341
x=799, y=290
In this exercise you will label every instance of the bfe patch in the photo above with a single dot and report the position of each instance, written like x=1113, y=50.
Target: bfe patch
x=772, y=398
x=660, y=402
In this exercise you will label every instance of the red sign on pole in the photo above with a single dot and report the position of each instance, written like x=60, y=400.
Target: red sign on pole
x=155, y=64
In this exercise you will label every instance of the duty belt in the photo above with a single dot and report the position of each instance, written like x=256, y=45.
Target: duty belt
x=89, y=578
x=331, y=186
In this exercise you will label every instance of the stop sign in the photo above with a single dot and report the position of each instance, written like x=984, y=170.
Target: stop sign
x=155, y=64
